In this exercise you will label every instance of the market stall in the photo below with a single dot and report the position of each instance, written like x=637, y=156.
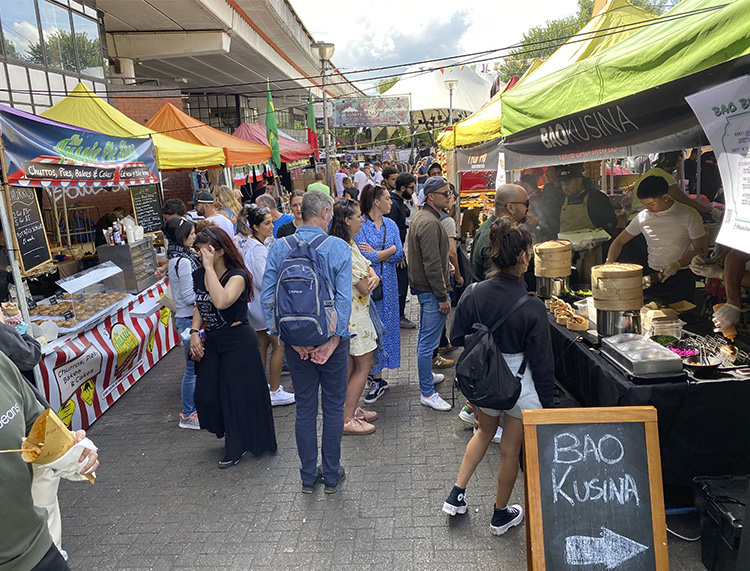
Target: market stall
x=93, y=307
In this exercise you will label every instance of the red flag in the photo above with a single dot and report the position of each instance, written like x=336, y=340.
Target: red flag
x=312, y=136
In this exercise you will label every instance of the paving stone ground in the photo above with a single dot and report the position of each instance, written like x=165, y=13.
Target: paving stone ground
x=160, y=502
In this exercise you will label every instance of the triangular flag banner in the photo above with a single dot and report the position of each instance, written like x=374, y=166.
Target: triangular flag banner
x=272, y=131
x=312, y=136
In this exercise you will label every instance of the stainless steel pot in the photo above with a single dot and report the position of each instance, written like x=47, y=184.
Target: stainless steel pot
x=615, y=322
x=547, y=287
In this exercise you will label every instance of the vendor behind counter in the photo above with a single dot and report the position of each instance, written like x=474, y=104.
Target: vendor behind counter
x=584, y=208
x=674, y=236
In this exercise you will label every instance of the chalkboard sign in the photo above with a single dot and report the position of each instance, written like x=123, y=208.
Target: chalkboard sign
x=147, y=207
x=593, y=489
x=29, y=234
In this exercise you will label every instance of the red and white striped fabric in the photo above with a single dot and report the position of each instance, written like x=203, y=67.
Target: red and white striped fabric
x=84, y=375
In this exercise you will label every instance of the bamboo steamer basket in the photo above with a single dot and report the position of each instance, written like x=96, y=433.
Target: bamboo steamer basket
x=617, y=287
x=553, y=259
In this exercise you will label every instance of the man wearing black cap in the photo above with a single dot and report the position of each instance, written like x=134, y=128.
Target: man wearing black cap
x=204, y=205
x=433, y=170
x=584, y=208
x=427, y=255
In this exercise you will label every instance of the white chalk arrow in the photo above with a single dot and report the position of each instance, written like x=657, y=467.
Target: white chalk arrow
x=611, y=549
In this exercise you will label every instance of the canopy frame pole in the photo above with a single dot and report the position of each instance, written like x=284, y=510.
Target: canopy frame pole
x=53, y=195
x=10, y=244
x=698, y=174
x=67, y=221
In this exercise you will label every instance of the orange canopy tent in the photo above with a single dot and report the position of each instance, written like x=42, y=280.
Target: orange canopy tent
x=173, y=122
x=291, y=150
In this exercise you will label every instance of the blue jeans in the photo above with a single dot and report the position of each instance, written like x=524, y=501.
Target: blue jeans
x=188, y=379
x=332, y=379
x=431, y=323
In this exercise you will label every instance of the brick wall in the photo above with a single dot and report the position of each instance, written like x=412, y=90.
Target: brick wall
x=141, y=105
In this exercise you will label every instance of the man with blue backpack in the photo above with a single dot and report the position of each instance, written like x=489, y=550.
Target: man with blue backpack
x=306, y=300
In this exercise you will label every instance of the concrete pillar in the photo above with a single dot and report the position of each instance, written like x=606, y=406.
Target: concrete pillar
x=125, y=68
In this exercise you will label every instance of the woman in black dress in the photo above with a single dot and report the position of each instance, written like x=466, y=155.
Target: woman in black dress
x=231, y=393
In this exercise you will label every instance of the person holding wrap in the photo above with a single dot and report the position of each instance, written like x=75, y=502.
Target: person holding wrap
x=736, y=275
x=674, y=235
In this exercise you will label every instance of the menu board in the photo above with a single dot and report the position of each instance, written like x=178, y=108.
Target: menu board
x=147, y=207
x=29, y=234
x=595, y=479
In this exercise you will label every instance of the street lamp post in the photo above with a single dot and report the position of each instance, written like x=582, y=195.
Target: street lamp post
x=325, y=52
x=450, y=85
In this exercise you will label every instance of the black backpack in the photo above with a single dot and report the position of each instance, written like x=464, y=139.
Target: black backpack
x=482, y=374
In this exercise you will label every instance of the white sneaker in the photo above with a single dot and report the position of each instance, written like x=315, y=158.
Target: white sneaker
x=280, y=397
x=437, y=378
x=466, y=416
x=498, y=434
x=434, y=401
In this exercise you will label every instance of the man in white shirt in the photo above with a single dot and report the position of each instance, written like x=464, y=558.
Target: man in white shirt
x=674, y=235
x=204, y=205
x=358, y=177
x=338, y=180
x=377, y=174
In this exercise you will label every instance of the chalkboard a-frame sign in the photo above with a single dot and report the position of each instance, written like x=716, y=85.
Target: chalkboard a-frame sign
x=594, y=490
x=147, y=207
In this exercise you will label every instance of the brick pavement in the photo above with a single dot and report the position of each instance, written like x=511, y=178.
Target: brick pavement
x=160, y=502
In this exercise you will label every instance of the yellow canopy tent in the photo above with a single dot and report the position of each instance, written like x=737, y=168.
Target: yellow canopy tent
x=84, y=108
x=616, y=21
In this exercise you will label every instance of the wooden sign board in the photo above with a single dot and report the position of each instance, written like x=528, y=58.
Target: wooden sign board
x=147, y=207
x=594, y=490
x=28, y=229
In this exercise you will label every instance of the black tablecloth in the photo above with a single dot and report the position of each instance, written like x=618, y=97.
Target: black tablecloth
x=704, y=426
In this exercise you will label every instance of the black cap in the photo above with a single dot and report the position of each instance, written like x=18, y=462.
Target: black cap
x=202, y=197
x=569, y=172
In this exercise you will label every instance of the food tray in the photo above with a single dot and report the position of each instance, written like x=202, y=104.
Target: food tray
x=639, y=356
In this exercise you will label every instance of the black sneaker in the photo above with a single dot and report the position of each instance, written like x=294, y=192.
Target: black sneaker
x=310, y=488
x=226, y=463
x=377, y=388
x=456, y=502
x=330, y=488
x=503, y=520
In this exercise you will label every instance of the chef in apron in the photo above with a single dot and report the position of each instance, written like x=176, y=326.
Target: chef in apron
x=584, y=208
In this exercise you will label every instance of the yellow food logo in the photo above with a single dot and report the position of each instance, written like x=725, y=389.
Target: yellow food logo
x=126, y=345
x=66, y=412
x=87, y=392
x=164, y=316
x=151, y=338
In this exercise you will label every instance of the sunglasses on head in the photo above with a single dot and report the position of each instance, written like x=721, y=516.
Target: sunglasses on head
x=526, y=203
x=264, y=210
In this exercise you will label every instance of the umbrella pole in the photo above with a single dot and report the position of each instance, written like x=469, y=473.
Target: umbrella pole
x=65, y=212
x=53, y=195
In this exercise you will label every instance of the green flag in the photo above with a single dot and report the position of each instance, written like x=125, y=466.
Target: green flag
x=272, y=131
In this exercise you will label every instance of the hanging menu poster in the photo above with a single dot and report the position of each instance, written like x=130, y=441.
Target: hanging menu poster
x=724, y=114
x=30, y=237
x=147, y=207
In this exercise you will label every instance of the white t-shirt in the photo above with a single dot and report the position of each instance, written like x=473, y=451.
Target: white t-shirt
x=377, y=177
x=338, y=183
x=360, y=180
x=224, y=223
x=668, y=233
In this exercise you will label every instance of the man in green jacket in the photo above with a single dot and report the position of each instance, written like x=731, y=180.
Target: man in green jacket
x=512, y=201
x=427, y=261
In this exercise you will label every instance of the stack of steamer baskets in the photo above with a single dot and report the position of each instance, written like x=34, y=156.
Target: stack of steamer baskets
x=552, y=262
x=617, y=290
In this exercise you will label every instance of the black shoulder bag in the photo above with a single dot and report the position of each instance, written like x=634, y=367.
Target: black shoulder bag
x=482, y=374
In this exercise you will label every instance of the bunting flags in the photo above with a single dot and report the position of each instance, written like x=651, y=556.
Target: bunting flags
x=312, y=136
x=272, y=131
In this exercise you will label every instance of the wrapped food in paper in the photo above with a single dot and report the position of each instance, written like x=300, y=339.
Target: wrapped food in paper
x=55, y=447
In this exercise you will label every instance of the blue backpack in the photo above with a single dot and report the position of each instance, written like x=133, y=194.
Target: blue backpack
x=303, y=300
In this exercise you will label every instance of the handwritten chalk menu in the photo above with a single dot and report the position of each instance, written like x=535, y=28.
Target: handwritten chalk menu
x=30, y=236
x=593, y=489
x=147, y=207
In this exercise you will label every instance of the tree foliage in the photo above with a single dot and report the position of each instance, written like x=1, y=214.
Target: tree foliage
x=59, y=49
x=542, y=41
x=11, y=50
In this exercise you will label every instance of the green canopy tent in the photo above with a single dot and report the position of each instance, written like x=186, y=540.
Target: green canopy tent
x=630, y=98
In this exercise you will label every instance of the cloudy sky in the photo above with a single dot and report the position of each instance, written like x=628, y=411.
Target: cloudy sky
x=371, y=34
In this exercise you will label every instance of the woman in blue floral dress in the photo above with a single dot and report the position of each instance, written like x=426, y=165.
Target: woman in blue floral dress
x=380, y=243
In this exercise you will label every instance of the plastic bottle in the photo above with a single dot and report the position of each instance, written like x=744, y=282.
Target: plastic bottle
x=117, y=232
x=130, y=233
x=469, y=242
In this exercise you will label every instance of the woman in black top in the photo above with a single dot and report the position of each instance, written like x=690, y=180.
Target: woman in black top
x=231, y=393
x=524, y=335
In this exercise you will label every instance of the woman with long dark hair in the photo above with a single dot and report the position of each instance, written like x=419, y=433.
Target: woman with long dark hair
x=346, y=222
x=380, y=243
x=254, y=227
x=182, y=261
x=524, y=339
x=231, y=394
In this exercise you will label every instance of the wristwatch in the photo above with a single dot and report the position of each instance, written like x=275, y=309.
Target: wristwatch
x=194, y=331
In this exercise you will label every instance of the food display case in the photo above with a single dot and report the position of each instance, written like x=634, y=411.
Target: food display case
x=84, y=299
x=137, y=260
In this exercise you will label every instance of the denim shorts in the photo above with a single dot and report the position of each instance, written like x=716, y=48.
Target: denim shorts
x=528, y=399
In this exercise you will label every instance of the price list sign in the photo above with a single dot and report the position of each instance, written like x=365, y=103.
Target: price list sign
x=29, y=233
